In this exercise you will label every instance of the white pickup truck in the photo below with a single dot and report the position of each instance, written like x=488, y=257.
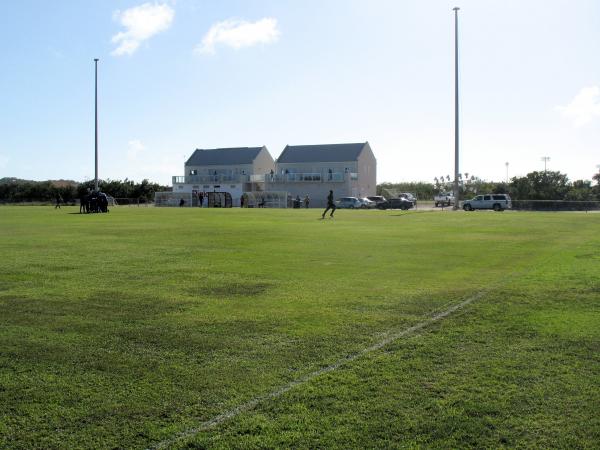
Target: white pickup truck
x=444, y=199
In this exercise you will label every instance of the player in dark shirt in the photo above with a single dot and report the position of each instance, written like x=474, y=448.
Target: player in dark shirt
x=330, y=205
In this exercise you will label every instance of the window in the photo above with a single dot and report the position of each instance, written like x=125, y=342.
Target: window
x=487, y=197
x=193, y=172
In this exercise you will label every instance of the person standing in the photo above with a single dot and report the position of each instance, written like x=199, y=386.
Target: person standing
x=306, y=201
x=58, y=200
x=330, y=205
x=242, y=201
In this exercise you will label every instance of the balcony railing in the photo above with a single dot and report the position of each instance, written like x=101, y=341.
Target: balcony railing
x=214, y=179
x=310, y=177
x=334, y=177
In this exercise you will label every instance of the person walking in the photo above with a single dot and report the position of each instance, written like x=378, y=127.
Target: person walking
x=58, y=200
x=330, y=205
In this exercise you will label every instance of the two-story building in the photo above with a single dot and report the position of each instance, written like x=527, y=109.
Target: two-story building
x=349, y=170
x=234, y=170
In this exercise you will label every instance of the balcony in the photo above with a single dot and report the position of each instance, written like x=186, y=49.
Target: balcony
x=197, y=179
x=334, y=177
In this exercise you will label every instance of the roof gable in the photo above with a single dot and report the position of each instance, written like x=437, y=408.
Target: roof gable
x=223, y=156
x=321, y=153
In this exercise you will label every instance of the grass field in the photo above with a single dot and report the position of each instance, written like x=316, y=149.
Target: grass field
x=134, y=328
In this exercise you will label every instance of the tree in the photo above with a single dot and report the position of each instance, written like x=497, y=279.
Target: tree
x=581, y=190
x=546, y=185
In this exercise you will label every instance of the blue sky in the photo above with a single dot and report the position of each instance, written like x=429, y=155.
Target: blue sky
x=186, y=74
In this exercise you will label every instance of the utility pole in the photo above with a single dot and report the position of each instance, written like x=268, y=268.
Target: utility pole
x=545, y=159
x=456, y=190
x=96, y=127
x=506, y=171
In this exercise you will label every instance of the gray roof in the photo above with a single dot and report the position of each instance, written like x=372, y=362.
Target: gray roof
x=321, y=153
x=223, y=156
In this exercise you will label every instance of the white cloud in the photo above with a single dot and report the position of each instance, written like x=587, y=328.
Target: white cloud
x=237, y=34
x=584, y=107
x=141, y=23
x=135, y=148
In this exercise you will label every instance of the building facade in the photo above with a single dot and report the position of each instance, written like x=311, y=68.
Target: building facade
x=349, y=170
x=232, y=170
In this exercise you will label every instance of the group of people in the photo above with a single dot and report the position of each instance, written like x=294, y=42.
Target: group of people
x=94, y=202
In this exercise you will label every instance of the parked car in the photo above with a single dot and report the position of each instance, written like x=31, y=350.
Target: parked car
x=365, y=203
x=377, y=199
x=497, y=202
x=348, y=202
x=396, y=203
x=444, y=199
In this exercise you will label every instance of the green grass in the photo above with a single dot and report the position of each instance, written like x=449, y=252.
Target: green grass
x=121, y=330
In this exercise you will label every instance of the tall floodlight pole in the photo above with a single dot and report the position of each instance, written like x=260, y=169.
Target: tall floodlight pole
x=545, y=159
x=456, y=191
x=96, y=126
x=506, y=171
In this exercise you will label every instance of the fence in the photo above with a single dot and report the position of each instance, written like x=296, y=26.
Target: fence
x=132, y=202
x=555, y=205
x=172, y=198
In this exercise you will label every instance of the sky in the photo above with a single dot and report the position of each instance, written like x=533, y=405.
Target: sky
x=176, y=75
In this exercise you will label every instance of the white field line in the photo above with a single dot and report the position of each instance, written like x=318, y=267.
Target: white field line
x=251, y=404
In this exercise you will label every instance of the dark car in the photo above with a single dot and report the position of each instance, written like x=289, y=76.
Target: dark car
x=396, y=203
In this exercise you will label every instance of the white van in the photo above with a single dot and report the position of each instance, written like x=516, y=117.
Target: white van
x=497, y=202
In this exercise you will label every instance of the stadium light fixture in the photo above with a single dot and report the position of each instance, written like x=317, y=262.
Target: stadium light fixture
x=545, y=159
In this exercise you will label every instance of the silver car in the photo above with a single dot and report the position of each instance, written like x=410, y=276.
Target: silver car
x=497, y=202
x=349, y=202
x=365, y=203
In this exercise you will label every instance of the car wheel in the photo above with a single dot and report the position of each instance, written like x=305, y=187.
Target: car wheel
x=497, y=207
x=467, y=207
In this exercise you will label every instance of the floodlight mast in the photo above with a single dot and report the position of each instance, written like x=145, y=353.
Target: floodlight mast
x=96, y=124
x=545, y=159
x=456, y=141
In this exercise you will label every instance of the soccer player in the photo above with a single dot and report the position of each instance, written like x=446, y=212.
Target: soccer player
x=330, y=205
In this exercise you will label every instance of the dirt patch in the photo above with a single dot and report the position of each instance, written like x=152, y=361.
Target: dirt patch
x=232, y=289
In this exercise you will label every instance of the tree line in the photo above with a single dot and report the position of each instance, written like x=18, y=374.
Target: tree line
x=13, y=190
x=544, y=185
